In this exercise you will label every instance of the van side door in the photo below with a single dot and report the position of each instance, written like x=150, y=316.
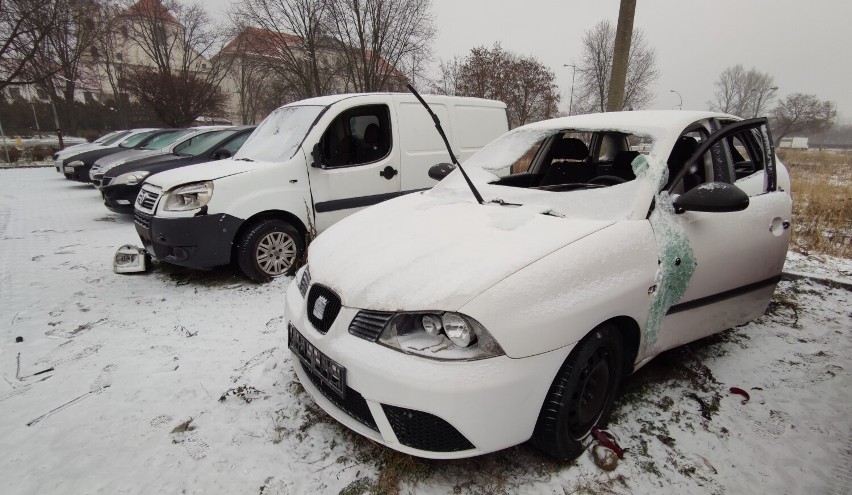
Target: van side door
x=355, y=164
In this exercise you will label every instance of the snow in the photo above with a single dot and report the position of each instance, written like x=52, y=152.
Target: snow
x=142, y=361
x=280, y=134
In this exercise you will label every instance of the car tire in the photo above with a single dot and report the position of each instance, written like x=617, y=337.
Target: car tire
x=269, y=249
x=582, y=394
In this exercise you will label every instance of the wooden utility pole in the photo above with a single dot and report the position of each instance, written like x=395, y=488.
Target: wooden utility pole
x=620, y=56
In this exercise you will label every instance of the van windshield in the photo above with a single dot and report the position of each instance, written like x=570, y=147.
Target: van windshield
x=278, y=137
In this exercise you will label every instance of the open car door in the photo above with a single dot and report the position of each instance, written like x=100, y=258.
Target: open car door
x=737, y=223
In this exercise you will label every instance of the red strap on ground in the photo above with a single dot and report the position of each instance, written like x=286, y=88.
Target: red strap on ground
x=606, y=439
x=739, y=391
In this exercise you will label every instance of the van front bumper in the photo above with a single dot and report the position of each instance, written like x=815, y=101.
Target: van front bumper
x=432, y=409
x=200, y=242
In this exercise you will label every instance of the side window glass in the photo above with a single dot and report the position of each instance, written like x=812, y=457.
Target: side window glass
x=234, y=145
x=611, y=145
x=747, y=154
x=522, y=165
x=357, y=136
x=686, y=145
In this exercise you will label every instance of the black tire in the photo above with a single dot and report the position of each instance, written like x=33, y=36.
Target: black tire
x=268, y=249
x=571, y=408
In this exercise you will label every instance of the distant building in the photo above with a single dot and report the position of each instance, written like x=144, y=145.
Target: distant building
x=799, y=143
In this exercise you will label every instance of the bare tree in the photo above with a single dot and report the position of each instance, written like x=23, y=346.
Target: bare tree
x=24, y=25
x=526, y=86
x=113, y=65
x=801, y=113
x=375, y=38
x=176, y=100
x=449, y=79
x=256, y=81
x=595, y=67
x=289, y=36
x=744, y=93
x=180, y=41
x=61, y=63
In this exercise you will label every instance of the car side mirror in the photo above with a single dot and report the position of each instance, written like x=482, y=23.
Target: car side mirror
x=441, y=170
x=316, y=154
x=712, y=197
x=221, y=154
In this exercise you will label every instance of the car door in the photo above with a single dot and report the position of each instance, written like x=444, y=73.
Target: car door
x=355, y=163
x=738, y=255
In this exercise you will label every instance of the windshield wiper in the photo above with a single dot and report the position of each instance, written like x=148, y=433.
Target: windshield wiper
x=244, y=159
x=447, y=144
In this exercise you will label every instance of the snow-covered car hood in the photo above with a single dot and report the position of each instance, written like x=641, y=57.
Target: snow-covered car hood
x=202, y=172
x=422, y=252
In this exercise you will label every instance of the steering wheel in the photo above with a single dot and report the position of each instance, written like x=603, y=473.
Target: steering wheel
x=609, y=180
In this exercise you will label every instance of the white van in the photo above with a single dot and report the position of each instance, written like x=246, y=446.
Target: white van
x=312, y=162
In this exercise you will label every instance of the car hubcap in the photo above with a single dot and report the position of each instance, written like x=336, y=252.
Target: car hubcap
x=276, y=253
x=590, y=395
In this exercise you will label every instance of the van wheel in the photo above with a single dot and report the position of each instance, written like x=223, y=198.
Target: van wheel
x=269, y=249
x=582, y=394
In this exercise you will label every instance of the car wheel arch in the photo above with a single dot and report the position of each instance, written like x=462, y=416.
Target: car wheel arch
x=266, y=215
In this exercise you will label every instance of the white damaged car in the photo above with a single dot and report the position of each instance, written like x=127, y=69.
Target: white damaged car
x=446, y=327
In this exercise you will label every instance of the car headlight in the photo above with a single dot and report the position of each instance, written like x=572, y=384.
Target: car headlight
x=444, y=336
x=75, y=164
x=130, y=178
x=189, y=197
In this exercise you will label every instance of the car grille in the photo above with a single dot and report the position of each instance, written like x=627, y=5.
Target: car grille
x=369, y=324
x=147, y=200
x=352, y=403
x=142, y=220
x=424, y=431
x=323, y=307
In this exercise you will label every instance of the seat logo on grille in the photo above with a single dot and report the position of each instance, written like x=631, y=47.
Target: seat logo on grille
x=319, y=307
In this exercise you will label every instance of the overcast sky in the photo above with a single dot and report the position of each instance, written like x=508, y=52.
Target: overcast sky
x=803, y=45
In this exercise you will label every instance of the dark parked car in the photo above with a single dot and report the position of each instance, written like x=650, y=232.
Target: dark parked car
x=121, y=185
x=77, y=167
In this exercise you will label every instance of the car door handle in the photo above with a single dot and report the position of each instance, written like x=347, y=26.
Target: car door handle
x=388, y=173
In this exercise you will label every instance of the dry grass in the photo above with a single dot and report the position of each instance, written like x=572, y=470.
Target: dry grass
x=822, y=200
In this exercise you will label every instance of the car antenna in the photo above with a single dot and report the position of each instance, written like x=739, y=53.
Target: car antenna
x=447, y=144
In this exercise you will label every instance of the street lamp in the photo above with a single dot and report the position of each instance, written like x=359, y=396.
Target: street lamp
x=680, y=105
x=573, y=73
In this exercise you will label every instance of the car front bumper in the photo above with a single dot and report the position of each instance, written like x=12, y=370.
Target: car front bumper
x=79, y=173
x=120, y=198
x=423, y=407
x=200, y=242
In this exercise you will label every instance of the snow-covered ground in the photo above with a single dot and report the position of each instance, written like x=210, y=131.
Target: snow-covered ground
x=180, y=382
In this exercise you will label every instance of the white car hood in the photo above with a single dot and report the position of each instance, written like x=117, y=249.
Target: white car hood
x=201, y=172
x=421, y=252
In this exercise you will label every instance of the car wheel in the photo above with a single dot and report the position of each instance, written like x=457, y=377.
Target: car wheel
x=582, y=394
x=269, y=249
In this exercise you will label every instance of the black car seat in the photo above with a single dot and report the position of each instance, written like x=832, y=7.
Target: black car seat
x=567, y=163
x=622, y=165
x=682, y=150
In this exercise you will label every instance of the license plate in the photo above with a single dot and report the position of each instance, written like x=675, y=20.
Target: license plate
x=316, y=363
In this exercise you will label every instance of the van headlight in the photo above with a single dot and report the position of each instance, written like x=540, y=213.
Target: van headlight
x=445, y=336
x=189, y=197
x=130, y=178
